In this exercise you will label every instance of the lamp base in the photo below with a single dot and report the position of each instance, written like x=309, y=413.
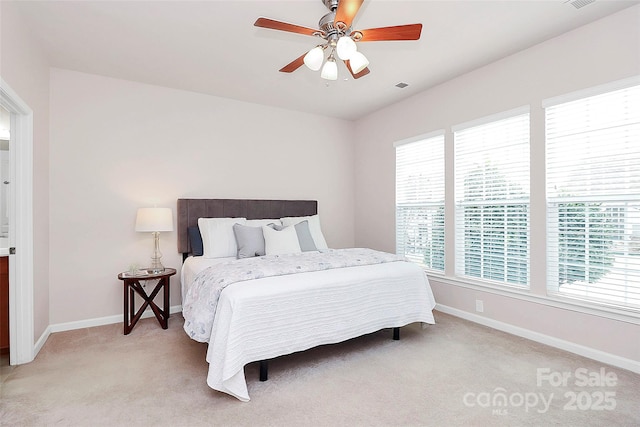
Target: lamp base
x=156, y=265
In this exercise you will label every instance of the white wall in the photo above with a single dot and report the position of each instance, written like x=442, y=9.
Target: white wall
x=25, y=68
x=119, y=145
x=595, y=54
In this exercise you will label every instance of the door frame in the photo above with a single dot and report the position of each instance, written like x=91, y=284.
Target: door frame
x=21, y=308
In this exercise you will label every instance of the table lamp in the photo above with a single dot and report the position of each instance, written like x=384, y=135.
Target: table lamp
x=155, y=220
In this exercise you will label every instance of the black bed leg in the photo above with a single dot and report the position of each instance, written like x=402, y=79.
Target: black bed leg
x=396, y=334
x=264, y=370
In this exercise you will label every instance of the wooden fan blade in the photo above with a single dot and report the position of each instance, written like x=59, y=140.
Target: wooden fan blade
x=360, y=74
x=283, y=26
x=293, y=65
x=399, y=32
x=347, y=10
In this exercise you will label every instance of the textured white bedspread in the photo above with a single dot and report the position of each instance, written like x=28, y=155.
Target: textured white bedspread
x=200, y=305
x=273, y=316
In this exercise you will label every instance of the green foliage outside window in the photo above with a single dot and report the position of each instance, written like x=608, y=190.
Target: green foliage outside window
x=496, y=237
x=585, y=242
x=496, y=229
x=434, y=250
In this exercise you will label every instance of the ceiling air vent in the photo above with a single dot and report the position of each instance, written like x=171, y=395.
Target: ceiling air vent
x=402, y=85
x=580, y=3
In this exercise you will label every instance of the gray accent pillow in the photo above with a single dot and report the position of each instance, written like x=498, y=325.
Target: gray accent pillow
x=250, y=241
x=304, y=235
x=196, y=241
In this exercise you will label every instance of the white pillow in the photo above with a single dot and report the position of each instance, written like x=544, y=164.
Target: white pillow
x=218, y=239
x=261, y=222
x=314, y=228
x=280, y=242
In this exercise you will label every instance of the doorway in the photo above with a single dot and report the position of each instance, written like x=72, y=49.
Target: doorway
x=20, y=226
x=5, y=133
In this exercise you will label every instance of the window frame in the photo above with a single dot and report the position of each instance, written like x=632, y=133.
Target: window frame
x=590, y=201
x=438, y=137
x=460, y=235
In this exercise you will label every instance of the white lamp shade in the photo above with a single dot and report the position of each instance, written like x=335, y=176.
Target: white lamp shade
x=346, y=47
x=313, y=59
x=154, y=219
x=330, y=70
x=358, y=62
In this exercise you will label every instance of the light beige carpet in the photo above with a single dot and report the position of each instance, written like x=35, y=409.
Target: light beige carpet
x=454, y=373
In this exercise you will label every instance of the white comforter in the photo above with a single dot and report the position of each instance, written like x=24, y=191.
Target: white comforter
x=272, y=316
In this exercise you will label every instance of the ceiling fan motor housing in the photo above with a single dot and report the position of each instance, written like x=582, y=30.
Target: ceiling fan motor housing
x=326, y=25
x=332, y=5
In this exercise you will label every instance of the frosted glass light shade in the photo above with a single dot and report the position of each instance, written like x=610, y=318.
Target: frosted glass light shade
x=154, y=219
x=313, y=59
x=330, y=70
x=346, y=47
x=358, y=62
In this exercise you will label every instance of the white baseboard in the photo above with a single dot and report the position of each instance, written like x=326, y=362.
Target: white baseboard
x=43, y=338
x=89, y=323
x=591, y=353
x=108, y=320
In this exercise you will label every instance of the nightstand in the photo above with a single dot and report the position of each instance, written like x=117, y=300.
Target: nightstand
x=133, y=285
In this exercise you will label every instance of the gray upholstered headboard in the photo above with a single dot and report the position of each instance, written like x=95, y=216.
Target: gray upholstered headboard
x=189, y=210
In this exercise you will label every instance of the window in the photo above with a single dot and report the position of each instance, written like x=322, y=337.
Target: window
x=492, y=199
x=420, y=201
x=593, y=197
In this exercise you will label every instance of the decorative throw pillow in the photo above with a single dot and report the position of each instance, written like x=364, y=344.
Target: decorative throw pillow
x=250, y=241
x=278, y=242
x=195, y=240
x=314, y=228
x=218, y=239
x=304, y=235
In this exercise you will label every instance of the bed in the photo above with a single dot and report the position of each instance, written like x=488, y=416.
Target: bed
x=270, y=306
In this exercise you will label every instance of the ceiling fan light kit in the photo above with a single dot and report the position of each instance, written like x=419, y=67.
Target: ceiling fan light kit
x=313, y=59
x=346, y=47
x=335, y=29
x=358, y=62
x=330, y=69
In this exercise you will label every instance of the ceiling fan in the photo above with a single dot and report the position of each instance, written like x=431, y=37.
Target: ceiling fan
x=335, y=29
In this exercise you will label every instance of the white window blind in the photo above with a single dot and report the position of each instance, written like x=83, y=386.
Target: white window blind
x=492, y=200
x=420, y=202
x=593, y=198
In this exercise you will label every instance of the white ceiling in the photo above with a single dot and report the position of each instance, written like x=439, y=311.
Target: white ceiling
x=212, y=46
